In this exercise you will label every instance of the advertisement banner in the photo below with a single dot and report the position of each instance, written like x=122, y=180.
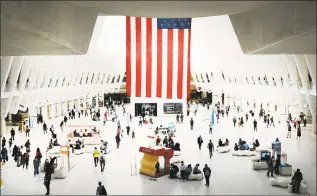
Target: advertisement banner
x=172, y=108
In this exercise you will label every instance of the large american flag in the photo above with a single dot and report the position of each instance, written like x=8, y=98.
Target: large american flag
x=158, y=57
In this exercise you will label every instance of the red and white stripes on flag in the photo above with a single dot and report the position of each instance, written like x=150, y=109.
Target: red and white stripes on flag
x=157, y=60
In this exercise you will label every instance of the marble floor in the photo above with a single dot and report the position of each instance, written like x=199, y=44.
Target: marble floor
x=230, y=174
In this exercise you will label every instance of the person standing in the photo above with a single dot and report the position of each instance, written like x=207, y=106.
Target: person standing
x=272, y=121
x=133, y=134
x=65, y=119
x=96, y=154
x=140, y=122
x=128, y=129
x=118, y=140
x=44, y=128
x=211, y=149
x=207, y=172
x=270, y=167
x=289, y=131
x=277, y=164
x=199, y=141
x=305, y=121
x=26, y=158
x=12, y=132
x=191, y=124
x=246, y=117
x=36, y=164
x=210, y=128
x=27, y=131
x=101, y=190
x=299, y=132
x=234, y=121
x=255, y=125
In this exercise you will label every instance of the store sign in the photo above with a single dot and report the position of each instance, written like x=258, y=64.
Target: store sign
x=172, y=108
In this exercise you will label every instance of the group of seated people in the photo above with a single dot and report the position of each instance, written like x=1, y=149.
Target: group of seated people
x=52, y=144
x=168, y=143
x=221, y=144
x=86, y=133
x=185, y=170
x=242, y=145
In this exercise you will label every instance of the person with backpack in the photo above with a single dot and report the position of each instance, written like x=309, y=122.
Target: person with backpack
x=27, y=146
x=191, y=124
x=207, y=172
x=210, y=148
x=36, y=165
x=38, y=154
x=199, y=141
x=101, y=190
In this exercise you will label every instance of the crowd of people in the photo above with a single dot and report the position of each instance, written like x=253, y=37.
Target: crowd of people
x=21, y=154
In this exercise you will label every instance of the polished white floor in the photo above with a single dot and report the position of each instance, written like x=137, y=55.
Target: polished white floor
x=230, y=174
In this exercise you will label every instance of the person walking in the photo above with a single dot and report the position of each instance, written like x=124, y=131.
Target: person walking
x=102, y=161
x=305, y=121
x=26, y=158
x=101, y=190
x=191, y=124
x=210, y=128
x=289, y=131
x=12, y=132
x=272, y=121
x=118, y=140
x=65, y=119
x=211, y=149
x=255, y=125
x=199, y=141
x=207, y=172
x=47, y=182
x=133, y=134
x=277, y=164
x=44, y=128
x=128, y=129
x=36, y=165
x=96, y=154
x=270, y=167
x=4, y=154
x=3, y=142
x=299, y=132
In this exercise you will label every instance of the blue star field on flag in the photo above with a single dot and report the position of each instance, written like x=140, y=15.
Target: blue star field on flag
x=174, y=23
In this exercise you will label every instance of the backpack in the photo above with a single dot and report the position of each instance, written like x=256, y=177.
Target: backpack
x=103, y=191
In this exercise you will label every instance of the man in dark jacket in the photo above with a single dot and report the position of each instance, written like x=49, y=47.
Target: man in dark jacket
x=12, y=134
x=207, y=172
x=210, y=148
x=199, y=141
x=118, y=140
x=296, y=180
x=191, y=124
x=44, y=128
x=255, y=125
x=277, y=164
x=101, y=190
x=271, y=167
x=234, y=121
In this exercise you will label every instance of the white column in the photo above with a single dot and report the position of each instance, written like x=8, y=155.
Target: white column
x=303, y=73
x=14, y=74
x=6, y=63
x=291, y=66
x=3, y=130
x=311, y=64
